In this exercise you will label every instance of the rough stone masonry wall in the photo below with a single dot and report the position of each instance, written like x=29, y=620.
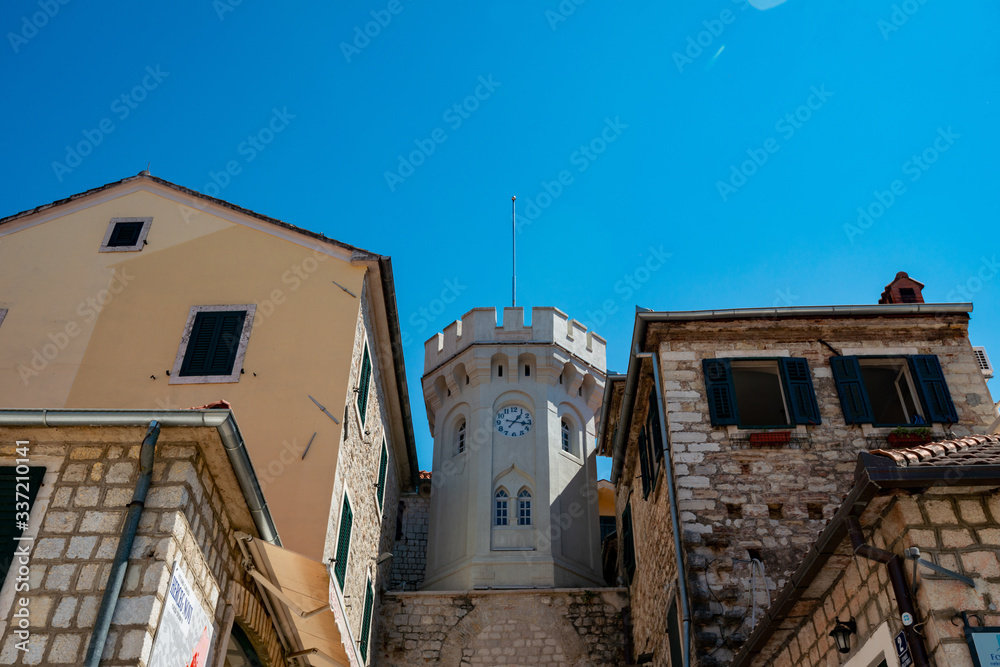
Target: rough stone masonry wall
x=958, y=529
x=409, y=561
x=373, y=527
x=553, y=628
x=737, y=502
x=71, y=560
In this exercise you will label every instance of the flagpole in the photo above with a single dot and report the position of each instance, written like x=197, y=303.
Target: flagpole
x=513, y=239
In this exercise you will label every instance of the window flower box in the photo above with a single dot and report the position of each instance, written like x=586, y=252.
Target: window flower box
x=770, y=438
x=904, y=440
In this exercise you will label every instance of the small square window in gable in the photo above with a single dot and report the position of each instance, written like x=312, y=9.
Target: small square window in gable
x=126, y=234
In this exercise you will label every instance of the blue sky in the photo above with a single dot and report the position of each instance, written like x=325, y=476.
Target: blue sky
x=740, y=140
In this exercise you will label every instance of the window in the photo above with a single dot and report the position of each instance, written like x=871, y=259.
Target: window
x=674, y=634
x=760, y=393
x=213, y=345
x=650, y=446
x=524, y=508
x=383, y=466
x=907, y=295
x=893, y=391
x=500, y=511
x=460, y=438
x=366, y=622
x=645, y=464
x=343, y=542
x=126, y=234
x=566, y=442
x=239, y=651
x=363, y=383
x=628, y=546
x=27, y=481
x=608, y=527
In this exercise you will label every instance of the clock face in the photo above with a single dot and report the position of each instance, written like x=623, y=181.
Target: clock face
x=513, y=421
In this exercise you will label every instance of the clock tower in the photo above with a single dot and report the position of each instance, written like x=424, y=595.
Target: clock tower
x=512, y=409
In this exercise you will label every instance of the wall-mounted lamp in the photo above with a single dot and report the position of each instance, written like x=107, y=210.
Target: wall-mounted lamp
x=842, y=634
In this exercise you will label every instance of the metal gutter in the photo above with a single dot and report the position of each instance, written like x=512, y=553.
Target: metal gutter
x=396, y=343
x=873, y=475
x=221, y=420
x=644, y=317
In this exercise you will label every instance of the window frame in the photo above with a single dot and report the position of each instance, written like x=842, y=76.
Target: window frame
x=856, y=405
x=234, y=376
x=140, y=240
x=238, y=635
x=905, y=370
x=460, y=435
x=763, y=362
x=524, y=507
x=501, y=495
x=566, y=436
x=721, y=391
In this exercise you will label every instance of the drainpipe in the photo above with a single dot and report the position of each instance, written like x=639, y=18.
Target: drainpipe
x=897, y=578
x=100, y=633
x=674, y=518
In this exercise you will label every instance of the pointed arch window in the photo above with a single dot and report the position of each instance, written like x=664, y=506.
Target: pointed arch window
x=567, y=443
x=524, y=508
x=460, y=437
x=500, y=511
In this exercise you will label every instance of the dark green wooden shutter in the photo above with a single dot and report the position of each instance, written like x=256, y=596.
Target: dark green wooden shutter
x=366, y=623
x=628, y=547
x=801, y=395
x=851, y=388
x=363, y=382
x=645, y=469
x=674, y=634
x=10, y=529
x=383, y=467
x=125, y=234
x=655, y=432
x=933, y=389
x=721, y=391
x=343, y=542
x=214, y=342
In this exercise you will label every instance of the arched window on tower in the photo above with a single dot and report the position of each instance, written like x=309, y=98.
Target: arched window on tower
x=500, y=513
x=524, y=508
x=567, y=443
x=460, y=437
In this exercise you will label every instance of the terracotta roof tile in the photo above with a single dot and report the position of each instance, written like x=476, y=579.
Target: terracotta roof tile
x=425, y=474
x=967, y=451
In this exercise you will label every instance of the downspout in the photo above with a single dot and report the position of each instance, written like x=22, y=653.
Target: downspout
x=674, y=517
x=897, y=578
x=117, y=577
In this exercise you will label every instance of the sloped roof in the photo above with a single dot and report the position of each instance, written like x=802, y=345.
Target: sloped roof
x=968, y=451
x=145, y=175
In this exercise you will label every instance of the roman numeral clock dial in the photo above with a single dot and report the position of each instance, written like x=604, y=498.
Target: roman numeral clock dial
x=513, y=421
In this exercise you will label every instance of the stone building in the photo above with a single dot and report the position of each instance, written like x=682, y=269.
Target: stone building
x=734, y=438
x=145, y=295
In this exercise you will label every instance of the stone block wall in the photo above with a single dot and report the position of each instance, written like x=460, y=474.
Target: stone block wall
x=955, y=528
x=184, y=519
x=737, y=502
x=373, y=527
x=549, y=628
x=410, y=549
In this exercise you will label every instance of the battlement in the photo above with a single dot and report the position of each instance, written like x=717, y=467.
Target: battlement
x=549, y=326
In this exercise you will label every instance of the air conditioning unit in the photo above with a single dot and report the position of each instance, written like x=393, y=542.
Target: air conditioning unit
x=984, y=362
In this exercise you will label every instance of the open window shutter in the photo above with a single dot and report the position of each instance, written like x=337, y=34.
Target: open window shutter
x=363, y=382
x=851, y=388
x=655, y=433
x=628, y=546
x=10, y=530
x=382, y=468
x=801, y=395
x=366, y=623
x=644, y=466
x=343, y=543
x=230, y=328
x=933, y=389
x=721, y=391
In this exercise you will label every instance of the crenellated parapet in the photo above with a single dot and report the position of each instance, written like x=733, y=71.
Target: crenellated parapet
x=549, y=326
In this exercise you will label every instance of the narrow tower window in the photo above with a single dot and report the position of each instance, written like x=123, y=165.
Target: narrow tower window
x=524, y=508
x=527, y=371
x=500, y=514
x=566, y=443
x=499, y=371
x=461, y=437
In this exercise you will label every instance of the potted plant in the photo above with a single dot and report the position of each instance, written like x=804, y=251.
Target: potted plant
x=769, y=438
x=910, y=437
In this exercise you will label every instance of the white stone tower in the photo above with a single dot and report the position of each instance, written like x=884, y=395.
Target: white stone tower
x=512, y=410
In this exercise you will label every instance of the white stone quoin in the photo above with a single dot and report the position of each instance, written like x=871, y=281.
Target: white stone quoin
x=549, y=379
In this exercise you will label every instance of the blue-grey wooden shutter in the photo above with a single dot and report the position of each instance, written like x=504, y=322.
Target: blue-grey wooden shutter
x=11, y=526
x=721, y=391
x=851, y=388
x=644, y=463
x=933, y=389
x=628, y=546
x=801, y=395
x=655, y=433
x=343, y=543
x=214, y=342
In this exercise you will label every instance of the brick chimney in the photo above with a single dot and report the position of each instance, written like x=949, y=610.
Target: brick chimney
x=903, y=289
